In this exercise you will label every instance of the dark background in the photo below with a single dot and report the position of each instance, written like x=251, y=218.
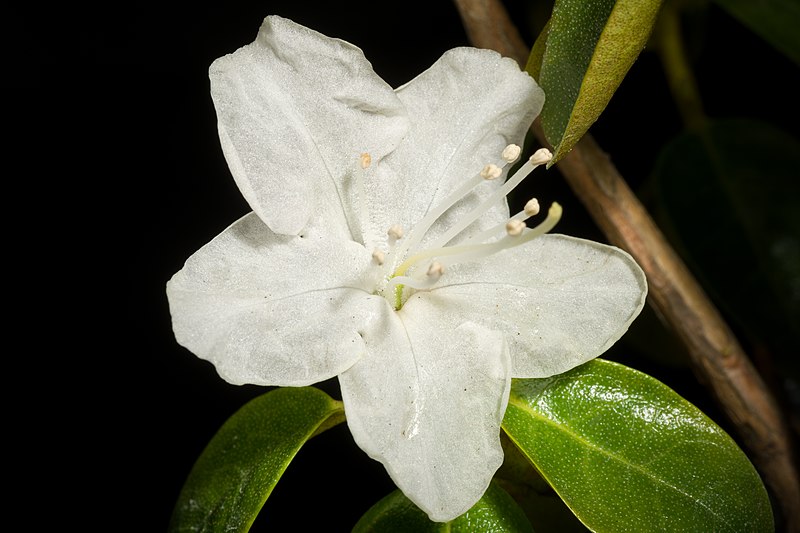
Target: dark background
x=151, y=186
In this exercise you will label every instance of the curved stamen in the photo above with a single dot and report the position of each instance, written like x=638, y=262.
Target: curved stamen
x=539, y=157
x=468, y=252
x=516, y=232
x=427, y=221
x=509, y=241
x=531, y=208
x=422, y=227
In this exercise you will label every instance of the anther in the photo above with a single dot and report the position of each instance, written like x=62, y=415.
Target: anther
x=514, y=227
x=366, y=160
x=435, y=269
x=541, y=156
x=378, y=256
x=511, y=153
x=395, y=231
x=491, y=172
x=532, y=207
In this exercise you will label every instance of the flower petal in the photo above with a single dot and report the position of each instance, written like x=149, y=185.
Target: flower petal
x=274, y=310
x=560, y=301
x=427, y=402
x=464, y=110
x=295, y=110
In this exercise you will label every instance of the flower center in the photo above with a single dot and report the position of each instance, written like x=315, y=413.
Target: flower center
x=405, y=269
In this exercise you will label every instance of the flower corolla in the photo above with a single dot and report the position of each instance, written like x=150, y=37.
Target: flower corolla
x=380, y=250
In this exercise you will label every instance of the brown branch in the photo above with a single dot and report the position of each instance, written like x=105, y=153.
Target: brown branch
x=674, y=293
x=677, y=297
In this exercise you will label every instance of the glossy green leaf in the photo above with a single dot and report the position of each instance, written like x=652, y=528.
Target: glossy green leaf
x=591, y=45
x=543, y=507
x=728, y=199
x=237, y=471
x=775, y=21
x=626, y=453
x=496, y=511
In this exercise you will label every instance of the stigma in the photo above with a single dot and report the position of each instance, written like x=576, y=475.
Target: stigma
x=405, y=268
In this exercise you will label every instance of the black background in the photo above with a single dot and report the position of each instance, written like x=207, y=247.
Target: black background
x=144, y=182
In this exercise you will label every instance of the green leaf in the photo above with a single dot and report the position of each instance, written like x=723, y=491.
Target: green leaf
x=237, y=471
x=727, y=197
x=775, y=21
x=544, y=509
x=626, y=453
x=591, y=45
x=495, y=511
x=536, y=57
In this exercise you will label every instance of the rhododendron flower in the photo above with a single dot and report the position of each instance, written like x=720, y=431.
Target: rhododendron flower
x=380, y=250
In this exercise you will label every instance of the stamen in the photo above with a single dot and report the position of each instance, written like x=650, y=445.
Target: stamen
x=516, y=231
x=531, y=208
x=514, y=227
x=491, y=172
x=461, y=253
x=540, y=156
x=472, y=253
x=366, y=160
x=435, y=270
x=422, y=227
x=395, y=232
x=511, y=153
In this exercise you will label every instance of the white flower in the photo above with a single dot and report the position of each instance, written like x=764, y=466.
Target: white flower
x=340, y=268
